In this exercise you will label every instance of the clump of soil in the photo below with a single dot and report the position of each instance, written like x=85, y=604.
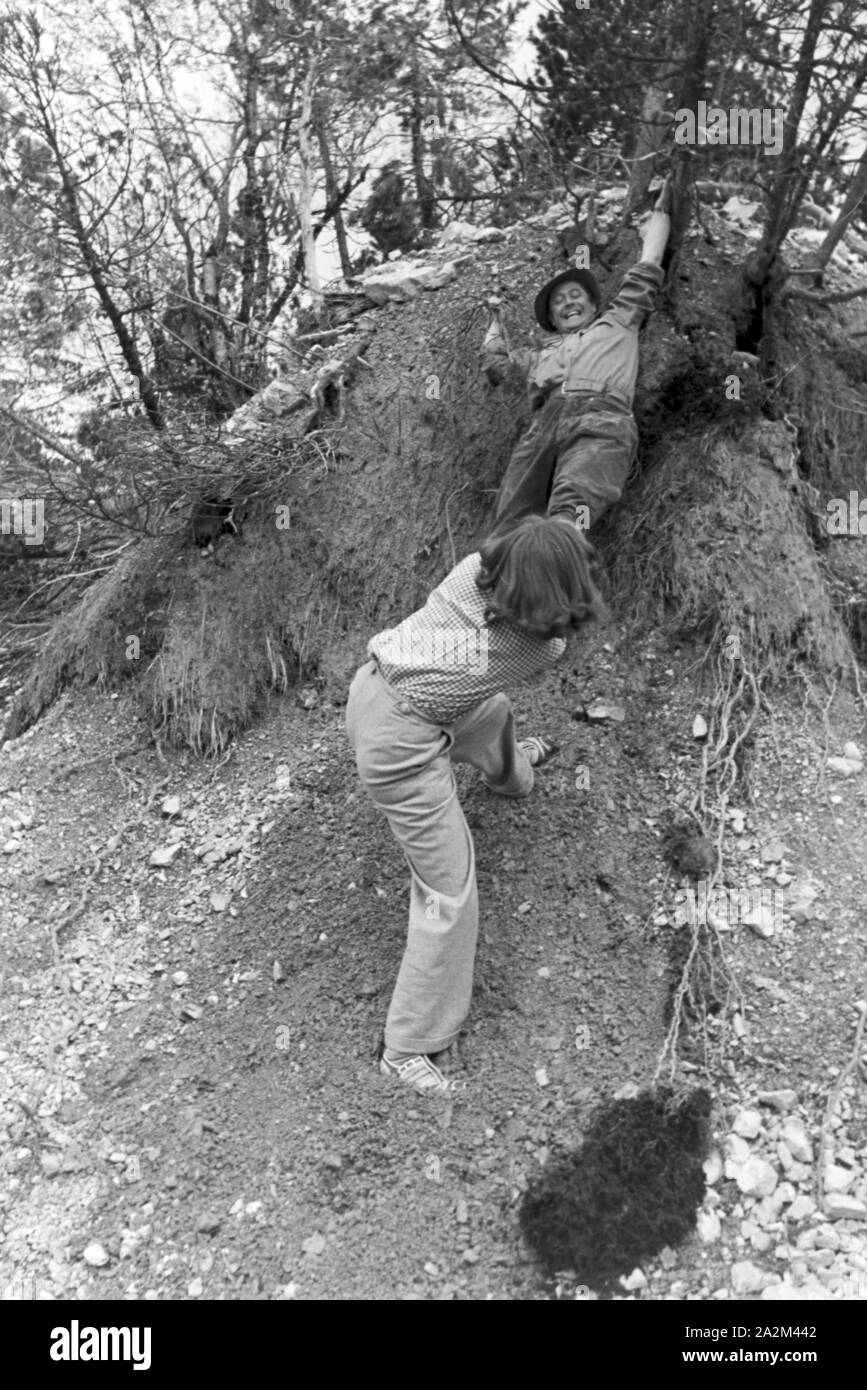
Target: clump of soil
x=632, y=1188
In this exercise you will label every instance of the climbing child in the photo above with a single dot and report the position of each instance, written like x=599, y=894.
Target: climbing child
x=574, y=458
x=432, y=695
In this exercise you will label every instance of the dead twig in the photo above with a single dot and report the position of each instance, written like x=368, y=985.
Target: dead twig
x=853, y=1067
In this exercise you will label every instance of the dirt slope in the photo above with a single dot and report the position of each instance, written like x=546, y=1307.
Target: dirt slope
x=252, y=1150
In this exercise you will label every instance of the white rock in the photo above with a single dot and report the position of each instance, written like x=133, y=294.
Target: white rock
x=708, y=1226
x=747, y=1124
x=699, y=727
x=756, y=1178
x=802, y=1207
x=837, y=1179
x=636, y=1280
x=164, y=855
x=839, y=1207
x=747, y=1277
x=737, y=1150
x=853, y=752
x=713, y=1167
x=404, y=279
x=783, y=1101
x=797, y=1141
x=761, y=920
x=96, y=1255
x=741, y=211
x=465, y=231
x=812, y=1291
x=800, y=1173
x=847, y=767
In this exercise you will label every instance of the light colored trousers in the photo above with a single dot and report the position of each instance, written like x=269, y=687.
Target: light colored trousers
x=405, y=764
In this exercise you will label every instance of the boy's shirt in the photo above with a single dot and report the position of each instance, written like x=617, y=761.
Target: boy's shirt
x=602, y=358
x=445, y=658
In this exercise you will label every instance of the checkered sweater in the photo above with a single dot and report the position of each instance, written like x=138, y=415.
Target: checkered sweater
x=445, y=658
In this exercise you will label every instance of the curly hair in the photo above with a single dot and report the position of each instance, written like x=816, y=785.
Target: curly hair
x=538, y=575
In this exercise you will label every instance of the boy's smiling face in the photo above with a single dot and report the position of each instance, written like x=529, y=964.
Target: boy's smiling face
x=571, y=308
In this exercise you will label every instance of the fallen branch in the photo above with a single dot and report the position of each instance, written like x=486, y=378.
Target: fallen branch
x=854, y=1064
x=825, y=300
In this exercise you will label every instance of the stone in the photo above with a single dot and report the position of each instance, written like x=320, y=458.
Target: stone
x=797, y=1141
x=800, y=1173
x=465, y=231
x=747, y=1124
x=802, y=1207
x=760, y=919
x=783, y=1101
x=837, y=1179
x=756, y=1178
x=773, y=851
x=636, y=1280
x=404, y=279
x=713, y=1167
x=164, y=855
x=747, y=1277
x=96, y=1255
x=812, y=1291
x=852, y=751
x=837, y=1206
x=737, y=1150
x=821, y=1259
x=708, y=1226
x=599, y=711
x=847, y=767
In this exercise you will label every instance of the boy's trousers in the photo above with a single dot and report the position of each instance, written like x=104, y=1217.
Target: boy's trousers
x=577, y=452
x=405, y=764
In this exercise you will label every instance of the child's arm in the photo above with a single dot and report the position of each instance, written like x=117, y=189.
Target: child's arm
x=657, y=230
x=640, y=284
x=656, y=238
x=497, y=353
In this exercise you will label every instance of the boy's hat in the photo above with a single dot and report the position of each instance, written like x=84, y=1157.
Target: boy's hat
x=581, y=277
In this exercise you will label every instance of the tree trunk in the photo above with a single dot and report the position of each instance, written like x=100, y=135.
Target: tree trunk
x=423, y=187
x=651, y=130
x=95, y=269
x=305, y=200
x=320, y=121
x=818, y=260
x=790, y=184
x=696, y=45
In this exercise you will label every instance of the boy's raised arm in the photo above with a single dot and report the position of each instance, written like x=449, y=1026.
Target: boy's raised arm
x=497, y=353
x=656, y=233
